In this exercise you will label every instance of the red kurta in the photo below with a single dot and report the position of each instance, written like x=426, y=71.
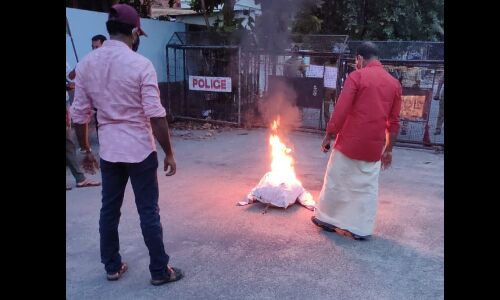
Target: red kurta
x=368, y=106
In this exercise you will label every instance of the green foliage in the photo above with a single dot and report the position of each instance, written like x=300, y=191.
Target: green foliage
x=374, y=20
x=360, y=19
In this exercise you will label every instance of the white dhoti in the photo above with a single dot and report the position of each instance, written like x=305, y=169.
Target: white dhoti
x=349, y=196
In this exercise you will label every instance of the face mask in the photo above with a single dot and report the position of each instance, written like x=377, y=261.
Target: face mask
x=135, y=45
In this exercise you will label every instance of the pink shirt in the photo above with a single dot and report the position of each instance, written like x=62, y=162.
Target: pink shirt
x=122, y=86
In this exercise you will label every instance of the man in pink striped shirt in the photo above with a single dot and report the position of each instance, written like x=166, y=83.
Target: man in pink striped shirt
x=122, y=86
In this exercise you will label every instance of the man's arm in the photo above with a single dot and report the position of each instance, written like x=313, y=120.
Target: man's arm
x=70, y=76
x=342, y=109
x=393, y=124
x=161, y=133
x=80, y=113
x=391, y=138
x=82, y=135
x=70, y=73
x=392, y=130
x=150, y=96
x=343, y=105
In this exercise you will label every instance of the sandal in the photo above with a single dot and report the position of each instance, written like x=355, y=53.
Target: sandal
x=117, y=275
x=349, y=234
x=325, y=226
x=88, y=183
x=333, y=228
x=173, y=274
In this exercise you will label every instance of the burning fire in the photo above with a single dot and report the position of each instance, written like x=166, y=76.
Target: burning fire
x=279, y=187
x=282, y=170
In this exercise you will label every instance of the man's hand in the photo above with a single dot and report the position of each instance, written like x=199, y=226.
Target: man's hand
x=72, y=74
x=161, y=133
x=169, y=162
x=70, y=86
x=325, y=145
x=386, y=160
x=89, y=163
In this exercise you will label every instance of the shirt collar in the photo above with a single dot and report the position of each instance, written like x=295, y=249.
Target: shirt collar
x=114, y=43
x=374, y=63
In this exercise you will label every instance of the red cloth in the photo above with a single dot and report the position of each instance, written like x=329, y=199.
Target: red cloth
x=367, y=108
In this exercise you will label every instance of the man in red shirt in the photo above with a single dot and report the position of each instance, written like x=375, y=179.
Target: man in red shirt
x=365, y=124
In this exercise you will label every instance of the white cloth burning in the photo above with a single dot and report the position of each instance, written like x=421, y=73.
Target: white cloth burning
x=280, y=187
x=281, y=195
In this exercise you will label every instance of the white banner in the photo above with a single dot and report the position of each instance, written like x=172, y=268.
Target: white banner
x=210, y=84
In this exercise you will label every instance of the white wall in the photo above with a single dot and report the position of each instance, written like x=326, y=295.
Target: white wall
x=85, y=24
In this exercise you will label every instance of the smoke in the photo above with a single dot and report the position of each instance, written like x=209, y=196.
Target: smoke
x=272, y=30
x=280, y=102
x=271, y=37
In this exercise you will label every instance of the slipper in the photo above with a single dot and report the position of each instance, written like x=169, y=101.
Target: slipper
x=87, y=183
x=325, y=226
x=333, y=228
x=117, y=275
x=173, y=274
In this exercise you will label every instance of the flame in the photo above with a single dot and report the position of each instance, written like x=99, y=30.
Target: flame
x=282, y=170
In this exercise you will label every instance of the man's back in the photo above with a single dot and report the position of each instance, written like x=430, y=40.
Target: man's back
x=372, y=98
x=122, y=86
x=376, y=94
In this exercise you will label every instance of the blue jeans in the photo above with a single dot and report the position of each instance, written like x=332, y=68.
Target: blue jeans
x=145, y=185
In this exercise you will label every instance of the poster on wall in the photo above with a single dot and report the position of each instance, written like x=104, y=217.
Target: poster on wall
x=315, y=71
x=329, y=75
x=415, y=104
x=330, y=80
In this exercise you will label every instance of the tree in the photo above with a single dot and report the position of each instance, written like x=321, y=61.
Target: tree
x=208, y=6
x=307, y=19
x=375, y=20
x=205, y=13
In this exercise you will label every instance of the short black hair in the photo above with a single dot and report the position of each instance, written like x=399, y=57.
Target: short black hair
x=367, y=50
x=99, y=37
x=115, y=27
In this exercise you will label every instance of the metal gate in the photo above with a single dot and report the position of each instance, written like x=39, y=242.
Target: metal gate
x=419, y=66
x=251, y=72
x=203, y=80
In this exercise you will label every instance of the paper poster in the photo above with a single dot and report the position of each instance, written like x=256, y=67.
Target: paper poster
x=412, y=107
x=415, y=104
x=330, y=79
x=315, y=71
